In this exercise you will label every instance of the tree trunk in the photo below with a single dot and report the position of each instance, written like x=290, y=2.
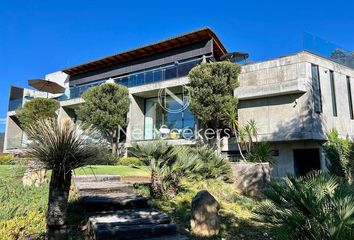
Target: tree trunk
x=239, y=147
x=218, y=142
x=59, y=188
x=156, y=189
x=115, y=142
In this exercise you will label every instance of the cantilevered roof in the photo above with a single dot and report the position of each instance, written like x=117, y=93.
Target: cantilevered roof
x=147, y=50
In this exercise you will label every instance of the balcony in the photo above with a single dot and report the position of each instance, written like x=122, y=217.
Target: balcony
x=158, y=74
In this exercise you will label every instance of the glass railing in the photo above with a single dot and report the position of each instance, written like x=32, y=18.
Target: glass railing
x=77, y=91
x=15, y=103
x=158, y=74
x=328, y=50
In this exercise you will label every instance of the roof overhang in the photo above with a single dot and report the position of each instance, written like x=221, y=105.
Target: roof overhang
x=158, y=47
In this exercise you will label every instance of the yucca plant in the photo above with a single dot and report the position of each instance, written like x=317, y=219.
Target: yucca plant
x=160, y=156
x=313, y=207
x=62, y=147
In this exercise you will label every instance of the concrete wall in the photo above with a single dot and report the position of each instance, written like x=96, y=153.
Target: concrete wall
x=285, y=112
x=2, y=138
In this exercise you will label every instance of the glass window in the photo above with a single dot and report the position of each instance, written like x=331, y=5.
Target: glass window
x=316, y=86
x=333, y=93
x=170, y=73
x=149, y=77
x=350, y=101
x=158, y=75
x=167, y=124
x=184, y=68
x=140, y=79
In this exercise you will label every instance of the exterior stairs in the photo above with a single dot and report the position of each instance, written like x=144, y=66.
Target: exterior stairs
x=114, y=211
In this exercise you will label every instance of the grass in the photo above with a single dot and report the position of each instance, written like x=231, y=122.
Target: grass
x=116, y=170
x=235, y=212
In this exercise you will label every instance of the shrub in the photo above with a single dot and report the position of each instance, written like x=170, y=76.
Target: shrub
x=339, y=155
x=209, y=164
x=6, y=159
x=316, y=206
x=32, y=223
x=261, y=152
x=130, y=161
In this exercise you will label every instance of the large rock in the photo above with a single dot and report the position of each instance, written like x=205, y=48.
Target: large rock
x=35, y=174
x=205, y=220
x=251, y=178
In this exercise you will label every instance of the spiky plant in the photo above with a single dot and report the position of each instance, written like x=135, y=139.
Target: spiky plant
x=261, y=152
x=313, y=207
x=210, y=164
x=160, y=156
x=61, y=146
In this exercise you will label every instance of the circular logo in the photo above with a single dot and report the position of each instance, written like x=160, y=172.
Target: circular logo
x=172, y=102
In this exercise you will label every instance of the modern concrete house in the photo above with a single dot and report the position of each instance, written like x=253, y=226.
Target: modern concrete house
x=295, y=100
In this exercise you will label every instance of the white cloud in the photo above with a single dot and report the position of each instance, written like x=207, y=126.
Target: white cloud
x=2, y=121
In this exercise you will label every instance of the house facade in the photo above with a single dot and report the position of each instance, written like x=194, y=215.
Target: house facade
x=290, y=98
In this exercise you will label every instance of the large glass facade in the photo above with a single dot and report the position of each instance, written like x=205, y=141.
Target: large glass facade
x=168, y=124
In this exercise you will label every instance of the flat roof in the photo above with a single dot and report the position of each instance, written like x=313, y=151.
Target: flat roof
x=147, y=50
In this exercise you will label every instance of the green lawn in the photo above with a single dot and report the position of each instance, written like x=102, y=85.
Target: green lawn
x=116, y=170
x=17, y=171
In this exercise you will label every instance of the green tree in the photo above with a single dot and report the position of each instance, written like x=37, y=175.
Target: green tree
x=211, y=89
x=106, y=107
x=62, y=148
x=36, y=109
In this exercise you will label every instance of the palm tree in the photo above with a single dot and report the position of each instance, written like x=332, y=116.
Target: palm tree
x=160, y=156
x=61, y=147
x=232, y=122
x=317, y=206
x=253, y=128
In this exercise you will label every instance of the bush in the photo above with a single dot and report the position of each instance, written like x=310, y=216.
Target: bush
x=340, y=155
x=32, y=223
x=260, y=153
x=6, y=159
x=316, y=206
x=130, y=161
x=209, y=164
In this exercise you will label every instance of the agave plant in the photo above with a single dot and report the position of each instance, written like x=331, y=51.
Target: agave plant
x=160, y=156
x=61, y=147
x=316, y=206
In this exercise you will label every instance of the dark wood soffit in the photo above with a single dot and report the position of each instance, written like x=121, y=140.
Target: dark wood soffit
x=165, y=45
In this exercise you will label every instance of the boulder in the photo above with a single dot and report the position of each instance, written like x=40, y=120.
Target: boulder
x=35, y=174
x=205, y=220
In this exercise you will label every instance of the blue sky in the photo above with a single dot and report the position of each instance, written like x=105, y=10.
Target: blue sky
x=39, y=37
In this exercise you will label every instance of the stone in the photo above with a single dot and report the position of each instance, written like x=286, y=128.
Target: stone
x=35, y=174
x=205, y=220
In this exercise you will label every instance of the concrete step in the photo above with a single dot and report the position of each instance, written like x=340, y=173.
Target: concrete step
x=128, y=232
x=113, y=201
x=169, y=237
x=128, y=217
x=103, y=187
x=96, y=178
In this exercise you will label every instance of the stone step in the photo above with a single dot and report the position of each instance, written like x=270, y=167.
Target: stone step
x=96, y=178
x=128, y=217
x=128, y=232
x=169, y=237
x=113, y=201
x=103, y=187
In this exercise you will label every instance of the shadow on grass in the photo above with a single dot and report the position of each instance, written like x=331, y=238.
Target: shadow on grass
x=75, y=219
